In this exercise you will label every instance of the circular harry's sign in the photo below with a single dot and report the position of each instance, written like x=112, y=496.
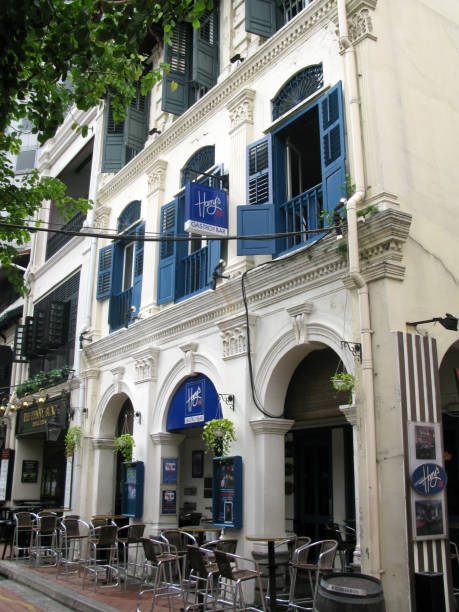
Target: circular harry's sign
x=429, y=479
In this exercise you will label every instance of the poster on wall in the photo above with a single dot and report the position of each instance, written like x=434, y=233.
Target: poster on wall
x=29, y=470
x=168, y=501
x=170, y=471
x=429, y=518
x=68, y=483
x=227, y=488
x=4, y=465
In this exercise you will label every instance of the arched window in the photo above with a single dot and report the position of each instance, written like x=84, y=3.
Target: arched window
x=129, y=215
x=199, y=162
x=300, y=87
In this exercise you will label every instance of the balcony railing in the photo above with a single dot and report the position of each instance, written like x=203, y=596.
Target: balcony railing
x=302, y=214
x=195, y=271
x=57, y=241
x=119, y=309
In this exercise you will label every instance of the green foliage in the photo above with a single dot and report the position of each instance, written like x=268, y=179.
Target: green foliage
x=218, y=435
x=343, y=381
x=124, y=444
x=72, y=440
x=56, y=54
x=42, y=380
x=341, y=249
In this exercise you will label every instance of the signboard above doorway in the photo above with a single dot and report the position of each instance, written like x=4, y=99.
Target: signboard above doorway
x=194, y=403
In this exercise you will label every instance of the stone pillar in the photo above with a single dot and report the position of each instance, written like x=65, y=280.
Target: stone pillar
x=268, y=517
x=167, y=446
x=104, y=470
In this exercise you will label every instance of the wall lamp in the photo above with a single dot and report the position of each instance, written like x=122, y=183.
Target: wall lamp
x=217, y=273
x=138, y=417
x=228, y=399
x=154, y=131
x=236, y=58
x=448, y=322
x=84, y=412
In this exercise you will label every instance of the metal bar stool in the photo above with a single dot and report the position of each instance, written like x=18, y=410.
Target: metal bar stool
x=232, y=576
x=44, y=541
x=102, y=556
x=22, y=535
x=128, y=536
x=158, y=558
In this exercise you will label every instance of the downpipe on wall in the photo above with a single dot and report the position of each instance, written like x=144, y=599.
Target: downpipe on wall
x=355, y=145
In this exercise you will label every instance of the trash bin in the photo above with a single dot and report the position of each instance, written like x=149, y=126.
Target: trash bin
x=430, y=594
x=346, y=592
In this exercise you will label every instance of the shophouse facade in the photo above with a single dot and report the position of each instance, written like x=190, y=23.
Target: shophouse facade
x=284, y=114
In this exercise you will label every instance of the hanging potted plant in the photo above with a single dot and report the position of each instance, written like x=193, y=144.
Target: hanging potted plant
x=218, y=435
x=124, y=445
x=72, y=440
x=343, y=381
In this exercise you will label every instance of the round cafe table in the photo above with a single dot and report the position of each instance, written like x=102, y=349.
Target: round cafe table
x=271, y=564
x=199, y=531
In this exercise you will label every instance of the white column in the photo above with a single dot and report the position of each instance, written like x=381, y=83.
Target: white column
x=350, y=412
x=104, y=469
x=268, y=516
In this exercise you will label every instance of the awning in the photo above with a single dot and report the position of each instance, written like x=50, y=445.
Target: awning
x=9, y=317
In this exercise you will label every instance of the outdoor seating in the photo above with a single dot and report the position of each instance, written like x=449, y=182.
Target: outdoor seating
x=326, y=553
x=158, y=559
x=22, y=535
x=102, y=556
x=44, y=540
x=345, y=536
x=128, y=537
x=200, y=587
x=231, y=578
x=74, y=534
x=178, y=541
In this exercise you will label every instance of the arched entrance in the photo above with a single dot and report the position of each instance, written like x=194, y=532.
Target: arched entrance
x=125, y=425
x=319, y=449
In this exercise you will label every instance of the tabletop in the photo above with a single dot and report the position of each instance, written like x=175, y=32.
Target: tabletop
x=266, y=538
x=192, y=529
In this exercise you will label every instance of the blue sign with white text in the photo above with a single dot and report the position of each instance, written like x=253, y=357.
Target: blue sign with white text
x=429, y=479
x=206, y=210
x=194, y=403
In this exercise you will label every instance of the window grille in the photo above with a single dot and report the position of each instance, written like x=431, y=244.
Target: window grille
x=304, y=84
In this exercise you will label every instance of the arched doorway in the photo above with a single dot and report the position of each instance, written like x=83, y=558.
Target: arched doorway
x=319, y=449
x=125, y=425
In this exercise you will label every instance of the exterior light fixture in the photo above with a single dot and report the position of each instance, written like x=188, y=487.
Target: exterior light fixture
x=41, y=400
x=138, y=416
x=12, y=408
x=154, y=131
x=25, y=404
x=236, y=58
x=448, y=322
x=84, y=412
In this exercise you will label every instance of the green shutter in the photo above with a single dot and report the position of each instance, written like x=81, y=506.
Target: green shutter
x=261, y=17
x=177, y=55
x=136, y=128
x=205, y=51
x=113, y=152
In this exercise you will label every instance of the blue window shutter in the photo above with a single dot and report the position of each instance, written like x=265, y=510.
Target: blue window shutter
x=113, y=155
x=138, y=267
x=331, y=123
x=214, y=249
x=256, y=220
x=177, y=55
x=136, y=128
x=205, y=51
x=117, y=267
x=104, y=275
x=259, y=172
x=167, y=253
x=262, y=17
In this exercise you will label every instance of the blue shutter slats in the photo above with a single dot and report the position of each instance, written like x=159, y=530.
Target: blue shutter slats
x=259, y=171
x=331, y=124
x=104, y=276
x=205, y=51
x=256, y=220
x=214, y=249
x=261, y=17
x=138, y=267
x=167, y=253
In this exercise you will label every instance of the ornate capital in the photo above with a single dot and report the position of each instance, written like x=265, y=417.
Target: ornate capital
x=299, y=318
x=118, y=374
x=157, y=176
x=359, y=21
x=241, y=109
x=90, y=374
x=103, y=443
x=351, y=414
x=189, y=350
x=146, y=365
x=164, y=438
x=101, y=217
x=271, y=426
x=233, y=333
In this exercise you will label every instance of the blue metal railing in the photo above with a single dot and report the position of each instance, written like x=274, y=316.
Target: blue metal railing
x=302, y=214
x=120, y=309
x=195, y=271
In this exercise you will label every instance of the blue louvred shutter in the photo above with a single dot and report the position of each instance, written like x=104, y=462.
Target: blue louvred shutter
x=104, y=275
x=331, y=123
x=262, y=17
x=177, y=55
x=205, y=50
x=167, y=253
x=113, y=154
x=214, y=249
x=138, y=267
x=257, y=218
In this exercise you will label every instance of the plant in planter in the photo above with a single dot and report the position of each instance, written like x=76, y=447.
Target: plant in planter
x=218, y=435
x=72, y=440
x=124, y=445
x=343, y=381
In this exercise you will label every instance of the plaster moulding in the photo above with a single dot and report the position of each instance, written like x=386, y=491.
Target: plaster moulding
x=118, y=374
x=240, y=109
x=103, y=443
x=101, y=217
x=359, y=21
x=146, y=365
x=299, y=318
x=157, y=176
x=271, y=426
x=293, y=33
x=351, y=413
x=233, y=333
x=189, y=351
x=164, y=438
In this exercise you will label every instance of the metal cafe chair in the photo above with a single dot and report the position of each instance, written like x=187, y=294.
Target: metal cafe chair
x=128, y=537
x=231, y=578
x=73, y=536
x=326, y=553
x=44, y=540
x=22, y=534
x=345, y=536
x=159, y=558
x=102, y=556
x=200, y=587
x=178, y=541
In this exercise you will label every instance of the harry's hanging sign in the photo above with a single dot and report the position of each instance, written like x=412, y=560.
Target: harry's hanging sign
x=206, y=210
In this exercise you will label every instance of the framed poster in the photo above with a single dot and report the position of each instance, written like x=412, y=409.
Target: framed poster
x=68, y=482
x=29, y=470
x=197, y=464
x=168, y=501
x=170, y=471
x=424, y=443
x=429, y=520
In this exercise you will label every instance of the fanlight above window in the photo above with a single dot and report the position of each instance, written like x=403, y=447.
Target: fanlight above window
x=300, y=87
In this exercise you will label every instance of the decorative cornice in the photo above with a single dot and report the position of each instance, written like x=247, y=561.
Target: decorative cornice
x=241, y=109
x=351, y=413
x=164, y=438
x=299, y=318
x=146, y=365
x=271, y=426
x=359, y=21
x=90, y=374
x=118, y=374
x=102, y=217
x=103, y=443
x=233, y=333
x=294, y=33
x=189, y=351
x=157, y=176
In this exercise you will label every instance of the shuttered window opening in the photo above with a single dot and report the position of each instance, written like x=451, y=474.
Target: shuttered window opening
x=265, y=17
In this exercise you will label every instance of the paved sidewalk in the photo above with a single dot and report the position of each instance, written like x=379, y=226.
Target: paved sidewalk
x=69, y=591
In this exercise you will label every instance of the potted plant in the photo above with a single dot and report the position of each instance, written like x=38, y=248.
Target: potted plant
x=218, y=435
x=72, y=440
x=343, y=381
x=124, y=445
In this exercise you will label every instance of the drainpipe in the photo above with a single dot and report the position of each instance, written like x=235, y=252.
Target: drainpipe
x=356, y=148
x=95, y=168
